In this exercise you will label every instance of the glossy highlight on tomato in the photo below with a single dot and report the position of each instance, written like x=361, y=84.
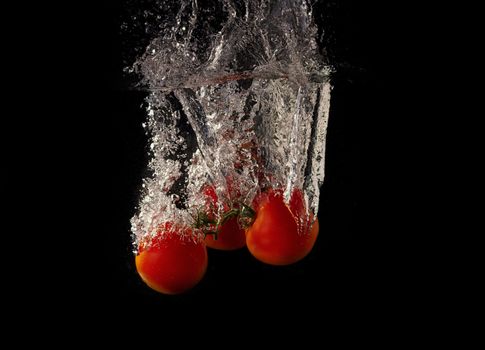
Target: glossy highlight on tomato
x=171, y=264
x=274, y=237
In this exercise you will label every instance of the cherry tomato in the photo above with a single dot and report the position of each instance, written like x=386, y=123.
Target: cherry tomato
x=171, y=264
x=274, y=237
x=229, y=236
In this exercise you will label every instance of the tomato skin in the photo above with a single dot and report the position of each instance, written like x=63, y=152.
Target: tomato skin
x=230, y=236
x=273, y=238
x=172, y=265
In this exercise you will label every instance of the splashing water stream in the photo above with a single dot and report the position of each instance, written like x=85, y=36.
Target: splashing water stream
x=239, y=99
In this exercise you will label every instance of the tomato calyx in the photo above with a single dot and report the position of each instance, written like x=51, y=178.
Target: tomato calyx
x=247, y=216
x=205, y=222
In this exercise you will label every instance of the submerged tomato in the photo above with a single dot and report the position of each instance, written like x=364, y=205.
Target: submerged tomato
x=274, y=238
x=230, y=235
x=171, y=264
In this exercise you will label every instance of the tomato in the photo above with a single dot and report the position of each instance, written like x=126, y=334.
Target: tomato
x=230, y=235
x=274, y=238
x=171, y=264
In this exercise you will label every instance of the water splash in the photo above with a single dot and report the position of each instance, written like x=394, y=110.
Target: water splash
x=238, y=99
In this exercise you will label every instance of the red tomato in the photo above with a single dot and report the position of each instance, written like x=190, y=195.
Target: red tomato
x=274, y=238
x=230, y=236
x=171, y=264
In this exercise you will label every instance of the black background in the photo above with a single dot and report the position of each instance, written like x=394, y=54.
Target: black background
x=91, y=159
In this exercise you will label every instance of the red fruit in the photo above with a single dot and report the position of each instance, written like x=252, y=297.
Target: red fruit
x=229, y=235
x=171, y=264
x=274, y=237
